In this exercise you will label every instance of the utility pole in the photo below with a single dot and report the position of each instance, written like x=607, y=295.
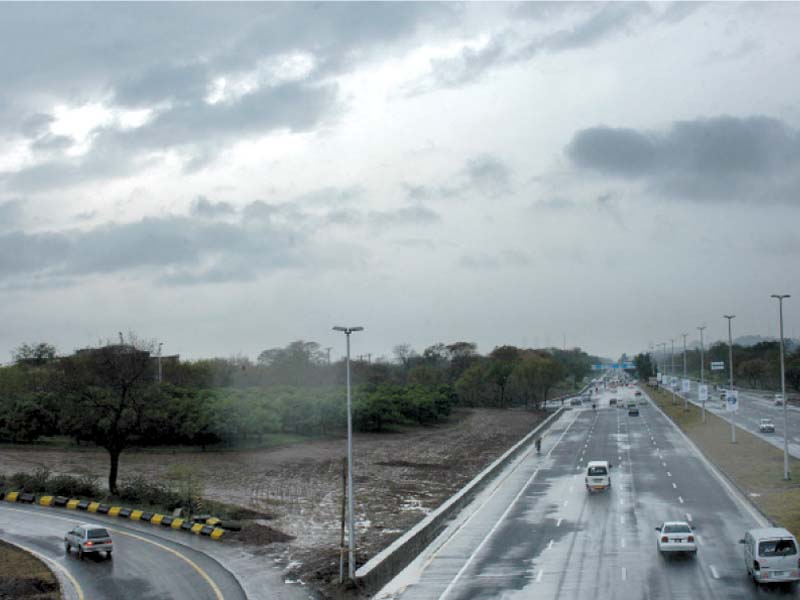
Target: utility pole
x=730, y=360
x=702, y=371
x=786, y=474
x=685, y=392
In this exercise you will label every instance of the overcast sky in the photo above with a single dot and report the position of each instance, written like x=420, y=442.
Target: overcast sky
x=226, y=178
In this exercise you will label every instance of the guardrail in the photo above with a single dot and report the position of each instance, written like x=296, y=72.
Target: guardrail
x=381, y=568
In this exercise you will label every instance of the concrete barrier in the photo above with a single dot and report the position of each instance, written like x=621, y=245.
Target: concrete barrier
x=385, y=565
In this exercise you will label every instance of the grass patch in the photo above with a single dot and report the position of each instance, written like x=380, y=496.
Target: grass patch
x=753, y=464
x=25, y=577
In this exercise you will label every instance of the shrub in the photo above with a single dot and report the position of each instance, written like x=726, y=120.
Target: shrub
x=67, y=485
x=141, y=491
x=31, y=482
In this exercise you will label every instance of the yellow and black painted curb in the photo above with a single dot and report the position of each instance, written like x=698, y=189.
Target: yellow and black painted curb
x=208, y=527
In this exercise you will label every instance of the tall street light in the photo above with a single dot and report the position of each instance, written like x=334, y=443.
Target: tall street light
x=686, y=393
x=351, y=538
x=672, y=369
x=730, y=360
x=702, y=371
x=663, y=360
x=786, y=474
x=159, y=361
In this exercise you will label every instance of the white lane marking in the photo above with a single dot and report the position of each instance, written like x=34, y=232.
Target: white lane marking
x=624, y=573
x=689, y=517
x=674, y=486
x=622, y=543
x=669, y=474
x=680, y=499
x=622, y=519
x=550, y=545
x=566, y=502
x=472, y=556
x=663, y=464
x=539, y=575
x=558, y=523
x=621, y=501
x=713, y=570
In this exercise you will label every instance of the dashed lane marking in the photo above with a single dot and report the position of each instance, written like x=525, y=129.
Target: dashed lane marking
x=622, y=519
x=689, y=517
x=669, y=474
x=558, y=523
x=624, y=574
x=713, y=570
x=566, y=502
x=539, y=575
x=550, y=545
x=622, y=543
x=674, y=486
x=680, y=499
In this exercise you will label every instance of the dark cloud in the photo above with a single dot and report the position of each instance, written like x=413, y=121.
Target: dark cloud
x=10, y=213
x=485, y=175
x=203, y=207
x=608, y=20
x=408, y=215
x=724, y=158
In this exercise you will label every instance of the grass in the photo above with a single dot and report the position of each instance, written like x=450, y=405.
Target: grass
x=25, y=577
x=754, y=465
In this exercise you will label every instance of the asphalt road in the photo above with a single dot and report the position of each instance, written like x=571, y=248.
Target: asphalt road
x=539, y=534
x=752, y=408
x=144, y=566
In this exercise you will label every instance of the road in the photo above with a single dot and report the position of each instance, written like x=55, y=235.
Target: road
x=537, y=533
x=752, y=408
x=144, y=566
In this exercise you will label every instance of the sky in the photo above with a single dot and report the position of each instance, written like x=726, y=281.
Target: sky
x=226, y=178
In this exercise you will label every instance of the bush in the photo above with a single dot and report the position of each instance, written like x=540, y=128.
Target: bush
x=140, y=491
x=66, y=485
x=31, y=482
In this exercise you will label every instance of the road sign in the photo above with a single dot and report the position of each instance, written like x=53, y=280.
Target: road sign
x=686, y=386
x=702, y=393
x=718, y=366
x=731, y=400
x=659, y=376
x=628, y=365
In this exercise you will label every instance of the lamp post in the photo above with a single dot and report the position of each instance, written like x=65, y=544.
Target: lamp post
x=686, y=393
x=663, y=360
x=672, y=369
x=730, y=360
x=786, y=474
x=702, y=372
x=159, y=361
x=351, y=538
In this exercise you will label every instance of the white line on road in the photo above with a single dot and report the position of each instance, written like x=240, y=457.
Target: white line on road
x=624, y=573
x=622, y=542
x=680, y=499
x=539, y=575
x=550, y=545
x=664, y=464
x=674, y=486
x=713, y=570
x=689, y=517
x=622, y=519
x=566, y=502
x=669, y=474
x=558, y=523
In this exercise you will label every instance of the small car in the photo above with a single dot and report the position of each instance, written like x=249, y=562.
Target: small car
x=598, y=475
x=771, y=555
x=675, y=536
x=88, y=539
x=637, y=393
x=633, y=411
x=778, y=399
x=766, y=426
x=575, y=402
x=612, y=402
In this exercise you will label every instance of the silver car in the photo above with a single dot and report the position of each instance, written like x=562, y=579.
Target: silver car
x=87, y=538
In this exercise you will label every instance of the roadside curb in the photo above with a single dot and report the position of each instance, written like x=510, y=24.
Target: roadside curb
x=718, y=472
x=385, y=565
x=206, y=527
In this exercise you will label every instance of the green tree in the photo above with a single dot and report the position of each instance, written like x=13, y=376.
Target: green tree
x=35, y=354
x=502, y=361
x=752, y=370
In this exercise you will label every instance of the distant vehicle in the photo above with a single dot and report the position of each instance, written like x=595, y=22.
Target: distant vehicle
x=766, y=426
x=675, y=536
x=87, y=539
x=770, y=555
x=633, y=411
x=778, y=399
x=598, y=475
x=638, y=393
x=612, y=402
x=575, y=402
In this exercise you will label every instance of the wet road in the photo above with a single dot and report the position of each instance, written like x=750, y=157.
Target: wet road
x=752, y=408
x=144, y=566
x=539, y=534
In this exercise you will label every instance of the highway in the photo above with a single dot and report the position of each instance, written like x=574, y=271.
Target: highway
x=537, y=533
x=752, y=408
x=144, y=566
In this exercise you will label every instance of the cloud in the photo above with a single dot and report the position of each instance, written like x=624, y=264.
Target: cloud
x=407, y=215
x=723, y=158
x=485, y=175
x=506, y=258
x=202, y=207
x=10, y=213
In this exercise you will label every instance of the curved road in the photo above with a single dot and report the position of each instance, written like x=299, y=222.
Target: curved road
x=144, y=566
x=537, y=533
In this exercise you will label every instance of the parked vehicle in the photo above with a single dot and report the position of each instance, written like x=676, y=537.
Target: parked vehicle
x=770, y=555
x=766, y=426
x=675, y=536
x=778, y=399
x=87, y=539
x=598, y=475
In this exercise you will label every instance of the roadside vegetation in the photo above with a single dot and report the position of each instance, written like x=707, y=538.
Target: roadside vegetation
x=25, y=577
x=755, y=466
x=120, y=395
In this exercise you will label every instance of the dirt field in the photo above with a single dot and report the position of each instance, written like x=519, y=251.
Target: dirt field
x=754, y=465
x=25, y=577
x=399, y=478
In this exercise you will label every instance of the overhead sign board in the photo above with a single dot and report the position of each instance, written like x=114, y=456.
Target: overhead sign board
x=731, y=400
x=686, y=386
x=702, y=393
x=659, y=376
x=718, y=366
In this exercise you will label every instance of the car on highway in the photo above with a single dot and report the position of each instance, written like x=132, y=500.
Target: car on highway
x=612, y=402
x=766, y=426
x=88, y=539
x=633, y=410
x=778, y=399
x=575, y=402
x=675, y=536
x=770, y=555
x=637, y=393
x=598, y=475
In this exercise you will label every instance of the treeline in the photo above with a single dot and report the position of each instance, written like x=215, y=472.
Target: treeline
x=120, y=395
x=756, y=366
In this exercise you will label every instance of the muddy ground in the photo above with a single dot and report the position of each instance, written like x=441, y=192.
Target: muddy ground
x=25, y=577
x=399, y=478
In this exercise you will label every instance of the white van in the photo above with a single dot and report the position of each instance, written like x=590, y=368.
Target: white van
x=770, y=555
x=598, y=475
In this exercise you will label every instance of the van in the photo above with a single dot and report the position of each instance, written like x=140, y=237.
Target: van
x=598, y=475
x=771, y=556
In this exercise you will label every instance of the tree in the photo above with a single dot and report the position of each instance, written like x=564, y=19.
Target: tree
x=753, y=370
x=462, y=356
x=34, y=354
x=644, y=366
x=502, y=361
x=110, y=397
x=793, y=372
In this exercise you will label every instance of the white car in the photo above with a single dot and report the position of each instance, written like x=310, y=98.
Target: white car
x=675, y=536
x=87, y=538
x=766, y=426
x=770, y=555
x=598, y=475
x=778, y=399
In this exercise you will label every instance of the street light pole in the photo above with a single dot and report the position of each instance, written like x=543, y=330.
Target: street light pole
x=159, y=361
x=702, y=372
x=786, y=474
x=730, y=360
x=351, y=538
x=672, y=369
x=686, y=393
x=663, y=360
